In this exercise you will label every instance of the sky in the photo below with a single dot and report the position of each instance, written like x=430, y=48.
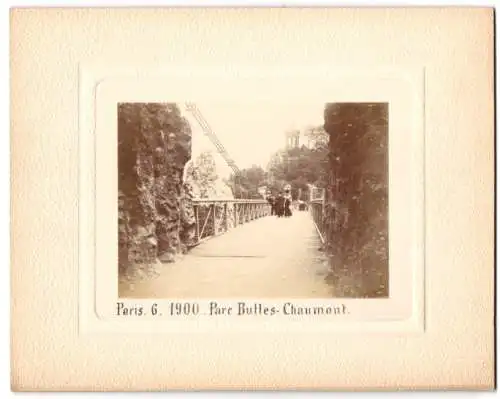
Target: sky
x=251, y=131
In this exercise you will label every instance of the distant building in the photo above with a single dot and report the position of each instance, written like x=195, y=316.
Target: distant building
x=308, y=138
x=293, y=139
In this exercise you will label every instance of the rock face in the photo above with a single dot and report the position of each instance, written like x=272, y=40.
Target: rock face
x=154, y=144
x=356, y=213
x=188, y=220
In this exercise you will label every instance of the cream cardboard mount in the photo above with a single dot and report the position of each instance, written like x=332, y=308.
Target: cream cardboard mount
x=70, y=68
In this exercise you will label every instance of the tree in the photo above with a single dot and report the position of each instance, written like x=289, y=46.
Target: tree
x=300, y=166
x=205, y=172
x=317, y=136
x=248, y=182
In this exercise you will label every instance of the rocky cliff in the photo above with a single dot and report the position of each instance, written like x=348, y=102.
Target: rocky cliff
x=356, y=212
x=154, y=144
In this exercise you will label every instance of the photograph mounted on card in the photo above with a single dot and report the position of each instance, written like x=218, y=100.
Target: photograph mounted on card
x=245, y=198
x=257, y=176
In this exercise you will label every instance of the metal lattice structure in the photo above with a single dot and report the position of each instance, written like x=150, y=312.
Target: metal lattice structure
x=215, y=217
x=317, y=197
x=191, y=107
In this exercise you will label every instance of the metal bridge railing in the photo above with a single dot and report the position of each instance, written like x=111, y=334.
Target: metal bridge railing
x=215, y=217
x=317, y=208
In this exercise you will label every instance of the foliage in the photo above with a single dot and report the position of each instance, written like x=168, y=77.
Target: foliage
x=301, y=166
x=247, y=183
x=202, y=173
x=202, y=176
x=297, y=166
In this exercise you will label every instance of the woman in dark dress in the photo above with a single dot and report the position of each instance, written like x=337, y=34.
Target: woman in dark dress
x=287, y=208
x=287, y=211
x=279, y=205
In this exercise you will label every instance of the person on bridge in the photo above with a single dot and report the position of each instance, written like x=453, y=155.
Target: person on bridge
x=272, y=201
x=287, y=210
x=280, y=205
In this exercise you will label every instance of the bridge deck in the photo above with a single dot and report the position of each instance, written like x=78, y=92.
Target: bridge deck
x=268, y=257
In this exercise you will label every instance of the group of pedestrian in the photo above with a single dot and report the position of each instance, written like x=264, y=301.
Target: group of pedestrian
x=281, y=204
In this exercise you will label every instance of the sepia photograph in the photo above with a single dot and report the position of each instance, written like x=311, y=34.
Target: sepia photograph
x=253, y=199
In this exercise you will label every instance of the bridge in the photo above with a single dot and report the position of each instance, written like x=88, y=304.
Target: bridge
x=241, y=250
x=235, y=247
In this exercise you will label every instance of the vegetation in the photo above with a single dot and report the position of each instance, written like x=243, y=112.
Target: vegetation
x=297, y=166
x=201, y=173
